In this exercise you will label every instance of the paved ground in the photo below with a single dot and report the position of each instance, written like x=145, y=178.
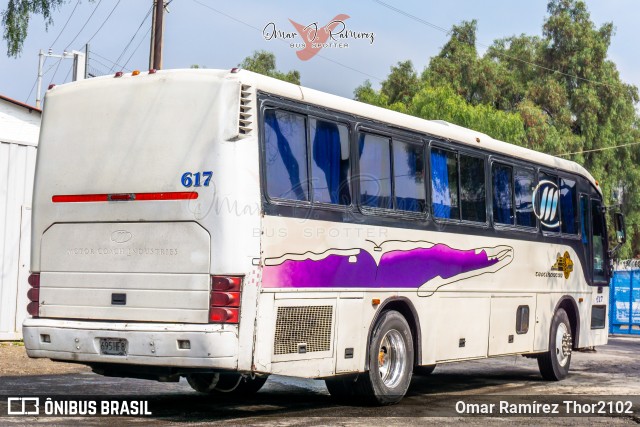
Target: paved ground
x=613, y=372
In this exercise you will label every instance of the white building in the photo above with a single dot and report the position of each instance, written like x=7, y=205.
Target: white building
x=19, y=129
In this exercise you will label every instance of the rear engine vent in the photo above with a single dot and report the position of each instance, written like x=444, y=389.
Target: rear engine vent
x=309, y=326
x=246, y=111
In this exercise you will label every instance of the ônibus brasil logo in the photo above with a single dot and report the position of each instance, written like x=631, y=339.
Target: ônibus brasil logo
x=546, y=208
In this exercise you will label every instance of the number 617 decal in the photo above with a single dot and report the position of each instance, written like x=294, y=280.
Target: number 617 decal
x=197, y=179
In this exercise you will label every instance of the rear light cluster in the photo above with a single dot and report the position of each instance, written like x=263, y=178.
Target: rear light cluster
x=34, y=295
x=224, y=300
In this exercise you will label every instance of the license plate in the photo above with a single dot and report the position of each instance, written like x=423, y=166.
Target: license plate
x=113, y=346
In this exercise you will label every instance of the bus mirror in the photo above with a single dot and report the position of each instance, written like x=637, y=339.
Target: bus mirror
x=621, y=233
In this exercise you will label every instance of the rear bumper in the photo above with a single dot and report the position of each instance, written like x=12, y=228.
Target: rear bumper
x=153, y=344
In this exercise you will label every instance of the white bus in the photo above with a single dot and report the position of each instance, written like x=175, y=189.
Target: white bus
x=222, y=226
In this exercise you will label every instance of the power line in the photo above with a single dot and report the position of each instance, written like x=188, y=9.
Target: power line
x=258, y=29
x=93, y=53
x=136, y=49
x=65, y=24
x=103, y=22
x=599, y=149
x=85, y=24
x=133, y=37
x=506, y=55
x=36, y=82
x=68, y=72
x=57, y=65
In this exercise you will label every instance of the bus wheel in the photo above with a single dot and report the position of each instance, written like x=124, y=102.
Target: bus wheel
x=424, y=370
x=225, y=383
x=554, y=364
x=390, y=361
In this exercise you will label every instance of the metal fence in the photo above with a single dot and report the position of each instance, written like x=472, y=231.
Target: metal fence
x=624, y=305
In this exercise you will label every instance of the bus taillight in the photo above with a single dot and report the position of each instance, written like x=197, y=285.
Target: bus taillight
x=34, y=295
x=224, y=299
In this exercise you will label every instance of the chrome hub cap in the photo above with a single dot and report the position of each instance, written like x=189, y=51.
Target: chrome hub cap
x=563, y=344
x=392, y=358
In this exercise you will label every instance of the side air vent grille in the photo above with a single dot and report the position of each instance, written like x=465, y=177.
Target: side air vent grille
x=303, y=327
x=245, y=122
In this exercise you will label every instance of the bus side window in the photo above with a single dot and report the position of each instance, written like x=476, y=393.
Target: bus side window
x=584, y=218
x=502, y=194
x=444, y=184
x=599, y=242
x=568, y=206
x=473, y=195
x=286, y=155
x=524, y=184
x=408, y=176
x=330, y=165
x=375, y=171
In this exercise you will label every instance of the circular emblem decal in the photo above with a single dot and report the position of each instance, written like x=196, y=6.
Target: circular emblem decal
x=545, y=203
x=121, y=236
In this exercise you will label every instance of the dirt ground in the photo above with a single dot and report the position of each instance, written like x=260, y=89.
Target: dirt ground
x=14, y=361
x=611, y=373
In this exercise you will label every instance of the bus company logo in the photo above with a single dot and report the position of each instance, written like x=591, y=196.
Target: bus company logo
x=23, y=406
x=312, y=38
x=121, y=236
x=545, y=203
x=564, y=263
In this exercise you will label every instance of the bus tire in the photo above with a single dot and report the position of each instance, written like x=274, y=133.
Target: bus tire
x=340, y=387
x=390, y=356
x=226, y=383
x=424, y=370
x=554, y=364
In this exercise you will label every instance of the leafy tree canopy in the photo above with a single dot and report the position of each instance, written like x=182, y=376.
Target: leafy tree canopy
x=264, y=62
x=558, y=93
x=15, y=20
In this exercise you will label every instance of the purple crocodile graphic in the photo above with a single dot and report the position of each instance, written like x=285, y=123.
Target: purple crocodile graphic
x=404, y=268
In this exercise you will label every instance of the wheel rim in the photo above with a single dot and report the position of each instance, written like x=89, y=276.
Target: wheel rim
x=563, y=344
x=392, y=360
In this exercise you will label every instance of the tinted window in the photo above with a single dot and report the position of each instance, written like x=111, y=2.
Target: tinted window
x=599, y=242
x=502, y=176
x=584, y=217
x=568, y=209
x=286, y=155
x=375, y=171
x=472, y=189
x=524, y=184
x=330, y=162
x=444, y=184
x=548, y=204
x=408, y=175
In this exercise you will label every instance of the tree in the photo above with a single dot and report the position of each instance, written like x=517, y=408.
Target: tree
x=557, y=94
x=15, y=20
x=264, y=62
x=402, y=83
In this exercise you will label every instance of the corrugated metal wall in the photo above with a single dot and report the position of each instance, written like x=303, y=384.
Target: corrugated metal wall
x=17, y=166
x=624, y=307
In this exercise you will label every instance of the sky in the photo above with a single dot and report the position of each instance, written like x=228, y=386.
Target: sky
x=215, y=34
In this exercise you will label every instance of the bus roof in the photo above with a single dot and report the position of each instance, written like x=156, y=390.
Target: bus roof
x=436, y=128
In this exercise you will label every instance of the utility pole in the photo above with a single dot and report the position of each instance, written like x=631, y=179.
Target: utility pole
x=40, y=64
x=79, y=68
x=156, y=38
